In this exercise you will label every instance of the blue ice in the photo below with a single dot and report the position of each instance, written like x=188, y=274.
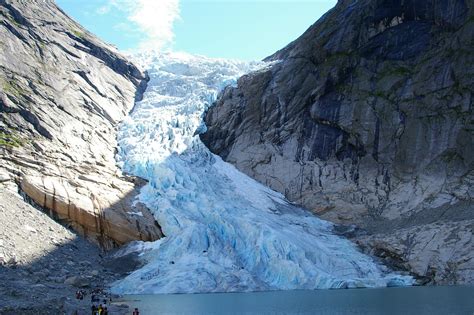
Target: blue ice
x=224, y=231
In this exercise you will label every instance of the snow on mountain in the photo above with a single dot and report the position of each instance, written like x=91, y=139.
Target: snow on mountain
x=224, y=231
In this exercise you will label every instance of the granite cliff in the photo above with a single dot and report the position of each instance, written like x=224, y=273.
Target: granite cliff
x=62, y=94
x=367, y=120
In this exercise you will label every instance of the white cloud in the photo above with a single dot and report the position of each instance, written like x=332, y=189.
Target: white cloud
x=153, y=18
x=103, y=9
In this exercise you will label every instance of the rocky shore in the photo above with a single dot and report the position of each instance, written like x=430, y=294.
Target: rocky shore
x=44, y=263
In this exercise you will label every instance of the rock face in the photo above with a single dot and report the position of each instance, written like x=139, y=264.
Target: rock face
x=367, y=119
x=62, y=94
x=440, y=253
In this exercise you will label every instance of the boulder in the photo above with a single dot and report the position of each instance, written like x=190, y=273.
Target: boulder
x=78, y=282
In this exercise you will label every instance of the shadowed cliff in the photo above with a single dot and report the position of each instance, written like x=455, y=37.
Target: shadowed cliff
x=367, y=119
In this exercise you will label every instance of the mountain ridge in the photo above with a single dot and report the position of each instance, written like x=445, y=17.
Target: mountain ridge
x=367, y=122
x=63, y=92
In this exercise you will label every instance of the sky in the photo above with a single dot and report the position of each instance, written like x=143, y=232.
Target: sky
x=245, y=29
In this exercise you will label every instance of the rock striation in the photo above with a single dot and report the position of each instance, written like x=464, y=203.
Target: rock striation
x=368, y=119
x=62, y=94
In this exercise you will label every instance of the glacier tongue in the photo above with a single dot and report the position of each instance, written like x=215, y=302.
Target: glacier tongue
x=224, y=231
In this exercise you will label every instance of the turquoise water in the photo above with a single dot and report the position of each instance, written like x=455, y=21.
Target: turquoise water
x=411, y=300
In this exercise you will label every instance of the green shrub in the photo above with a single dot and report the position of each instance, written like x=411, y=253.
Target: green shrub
x=10, y=140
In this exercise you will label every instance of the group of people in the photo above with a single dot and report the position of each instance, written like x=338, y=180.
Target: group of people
x=80, y=294
x=99, y=300
x=99, y=310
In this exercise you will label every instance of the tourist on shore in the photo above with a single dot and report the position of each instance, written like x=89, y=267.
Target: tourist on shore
x=80, y=294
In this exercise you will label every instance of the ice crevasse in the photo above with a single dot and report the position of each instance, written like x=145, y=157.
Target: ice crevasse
x=224, y=231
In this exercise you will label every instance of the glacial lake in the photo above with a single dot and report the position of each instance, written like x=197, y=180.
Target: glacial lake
x=407, y=300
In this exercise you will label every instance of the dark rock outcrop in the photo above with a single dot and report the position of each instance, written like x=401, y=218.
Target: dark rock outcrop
x=368, y=119
x=62, y=94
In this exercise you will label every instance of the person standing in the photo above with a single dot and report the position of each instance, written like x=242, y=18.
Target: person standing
x=136, y=312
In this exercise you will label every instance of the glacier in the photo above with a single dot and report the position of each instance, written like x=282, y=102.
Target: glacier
x=225, y=232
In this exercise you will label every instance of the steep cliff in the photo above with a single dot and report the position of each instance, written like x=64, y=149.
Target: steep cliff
x=367, y=119
x=62, y=94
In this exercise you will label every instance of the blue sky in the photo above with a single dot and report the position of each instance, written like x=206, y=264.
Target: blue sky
x=246, y=29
